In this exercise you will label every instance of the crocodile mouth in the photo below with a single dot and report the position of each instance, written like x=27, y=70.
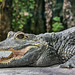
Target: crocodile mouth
x=8, y=55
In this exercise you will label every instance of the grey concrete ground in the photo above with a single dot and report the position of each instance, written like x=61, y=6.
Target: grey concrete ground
x=37, y=71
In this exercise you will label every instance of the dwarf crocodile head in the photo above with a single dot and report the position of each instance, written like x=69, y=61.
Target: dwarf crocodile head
x=22, y=48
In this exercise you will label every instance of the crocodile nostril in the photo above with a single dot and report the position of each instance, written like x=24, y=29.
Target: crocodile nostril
x=10, y=34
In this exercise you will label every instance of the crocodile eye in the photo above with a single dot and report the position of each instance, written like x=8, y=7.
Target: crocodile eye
x=20, y=36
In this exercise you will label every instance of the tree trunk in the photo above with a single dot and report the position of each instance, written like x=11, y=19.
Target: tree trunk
x=39, y=20
x=48, y=14
x=68, y=17
x=4, y=20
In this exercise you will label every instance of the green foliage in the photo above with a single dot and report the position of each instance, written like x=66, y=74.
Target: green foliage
x=1, y=0
x=22, y=12
x=57, y=25
x=56, y=19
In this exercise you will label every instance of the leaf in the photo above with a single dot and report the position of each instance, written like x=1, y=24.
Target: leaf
x=18, y=22
x=57, y=27
x=31, y=7
x=1, y=0
x=14, y=14
x=23, y=22
x=21, y=26
x=13, y=20
x=56, y=19
x=30, y=15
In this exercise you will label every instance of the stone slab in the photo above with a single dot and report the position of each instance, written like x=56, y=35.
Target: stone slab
x=37, y=71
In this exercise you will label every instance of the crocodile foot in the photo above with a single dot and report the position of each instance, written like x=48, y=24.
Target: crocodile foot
x=69, y=64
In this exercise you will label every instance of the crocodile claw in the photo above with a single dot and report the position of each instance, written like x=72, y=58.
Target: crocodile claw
x=69, y=64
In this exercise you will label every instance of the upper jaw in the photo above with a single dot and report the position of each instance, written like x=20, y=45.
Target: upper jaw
x=7, y=45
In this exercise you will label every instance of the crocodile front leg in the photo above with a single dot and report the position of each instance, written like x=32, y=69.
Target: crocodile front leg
x=48, y=58
x=69, y=64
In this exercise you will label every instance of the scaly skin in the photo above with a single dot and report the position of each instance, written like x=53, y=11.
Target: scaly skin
x=20, y=49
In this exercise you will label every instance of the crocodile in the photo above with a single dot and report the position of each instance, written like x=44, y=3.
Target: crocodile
x=46, y=49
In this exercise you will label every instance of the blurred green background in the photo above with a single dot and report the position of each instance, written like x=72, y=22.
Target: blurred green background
x=36, y=16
